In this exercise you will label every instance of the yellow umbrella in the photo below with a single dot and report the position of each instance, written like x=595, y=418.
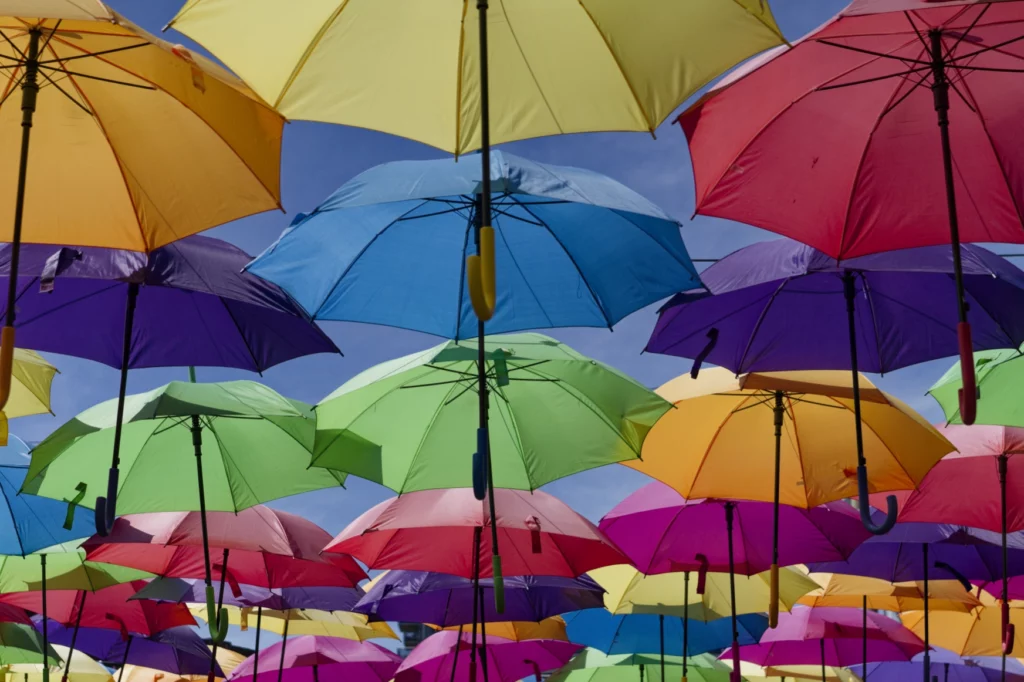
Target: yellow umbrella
x=871, y=593
x=226, y=658
x=755, y=673
x=734, y=436
x=978, y=632
x=135, y=142
x=83, y=668
x=344, y=624
x=520, y=631
x=32, y=377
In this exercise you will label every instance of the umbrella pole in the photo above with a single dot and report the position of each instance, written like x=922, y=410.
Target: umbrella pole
x=773, y=598
x=46, y=626
x=284, y=645
x=735, y=675
x=864, y=502
x=940, y=93
x=483, y=637
x=220, y=605
x=661, y=637
x=29, y=91
x=864, y=637
x=455, y=658
x=1008, y=629
x=822, y=642
x=74, y=637
x=218, y=618
x=124, y=661
x=927, y=657
x=686, y=619
x=256, y=653
x=477, y=532
x=106, y=507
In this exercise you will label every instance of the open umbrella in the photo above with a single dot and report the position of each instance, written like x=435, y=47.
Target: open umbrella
x=31, y=378
x=343, y=624
x=133, y=108
x=82, y=669
x=502, y=660
x=978, y=632
x=740, y=434
x=310, y=659
x=193, y=591
x=259, y=451
x=520, y=631
x=946, y=666
x=446, y=600
x=186, y=303
x=998, y=373
x=593, y=665
x=854, y=591
x=21, y=643
x=227, y=659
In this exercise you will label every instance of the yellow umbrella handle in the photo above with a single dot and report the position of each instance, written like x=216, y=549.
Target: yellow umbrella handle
x=6, y=364
x=773, y=598
x=480, y=276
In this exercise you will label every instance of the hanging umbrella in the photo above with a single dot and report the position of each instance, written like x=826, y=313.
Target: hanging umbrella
x=312, y=658
x=435, y=530
x=778, y=673
x=83, y=669
x=945, y=667
x=21, y=643
x=266, y=547
x=133, y=108
x=182, y=304
x=193, y=590
x=592, y=665
x=503, y=659
x=259, y=452
x=976, y=633
x=803, y=441
x=521, y=631
x=227, y=659
x=997, y=372
x=31, y=378
x=446, y=600
x=854, y=591
x=341, y=624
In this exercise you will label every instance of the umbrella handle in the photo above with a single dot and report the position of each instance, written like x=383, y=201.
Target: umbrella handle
x=536, y=668
x=120, y=625
x=69, y=516
x=865, y=505
x=218, y=620
x=968, y=394
x=106, y=507
x=499, y=583
x=6, y=363
x=703, y=355
x=1009, y=631
x=480, y=276
x=480, y=465
x=702, y=573
x=773, y=597
x=960, y=577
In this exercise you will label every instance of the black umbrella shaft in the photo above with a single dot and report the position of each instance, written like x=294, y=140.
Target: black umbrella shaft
x=29, y=91
x=256, y=656
x=74, y=636
x=661, y=638
x=1003, y=527
x=732, y=591
x=779, y=414
x=46, y=628
x=477, y=532
x=483, y=632
x=686, y=617
x=927, y=658
x=284, y=645
x=455, y=656
x=823, y=676
x=220, y=603
x=124, y=661
x=126, y=356
x=197, y=445
x=864, y=637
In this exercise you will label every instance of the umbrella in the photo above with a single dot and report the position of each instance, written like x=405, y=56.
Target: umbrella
x=185, y=303
x=260, y=451
x=760, y=312
x=311, y=658
x=436, y=530
x=31, y=378
x=21, y=643
x=501, y=660
x=998, y=372
x=593, y=665
x=193, y=590
x=803, y=442
x=83, y=669
x=520, y=631
x=446, y=600
x=227, y=659
x=802, y=672
x=978, y=632
x=343, y=624
x=946, y=667
x=133, y=108
x=981, y=464
x=872, y=88
x=853, y=591
x=266, y=548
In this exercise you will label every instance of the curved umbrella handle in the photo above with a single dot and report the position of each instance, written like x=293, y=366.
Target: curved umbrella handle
x=1009, y=631
x=499, y=583
x=106, y=507
x=218, y=620
x=536, y=668
x=69, y=515
x=865, y=505
x=120, y=625
x=480, y=465
x=968, y=393
x=773, y=597
x=480, y=276
x=960, y=577
x=6, y=363
x=227, y=575
x=703, y=355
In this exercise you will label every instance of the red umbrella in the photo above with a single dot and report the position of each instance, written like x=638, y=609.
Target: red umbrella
x=436, y=530
x=989, y=465
x=260, y=546
x=846, y=140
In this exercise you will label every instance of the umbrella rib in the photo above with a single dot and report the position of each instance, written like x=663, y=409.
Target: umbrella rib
x=865, y=81
x=873, y=53
x=85, y=54
x=625, y=215
x=513, y=430
x=870, y=296
x=241, y=334
x=888, y=448
x=760, y=321
x=529, y=68
x=44, y=69
x=515, y=261
x=62, y=91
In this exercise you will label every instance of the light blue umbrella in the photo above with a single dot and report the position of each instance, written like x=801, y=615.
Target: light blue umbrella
x=573, y=248
x=29, y=523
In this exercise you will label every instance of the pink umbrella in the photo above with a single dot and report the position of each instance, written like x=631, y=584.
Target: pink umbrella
x=261, y=546
x=436, y=659
x=319, y=659
x=437, y=530
x=846, y=140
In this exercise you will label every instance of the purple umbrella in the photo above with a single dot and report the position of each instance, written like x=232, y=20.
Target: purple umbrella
x=193, y=590
x=945, y=667
x=447, y=600
x=436, y=659
x=780, y=305
x=184, y=304
x=661, y=532
x=319, y=659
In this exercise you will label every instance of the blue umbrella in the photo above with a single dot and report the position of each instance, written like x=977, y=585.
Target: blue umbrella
x=29, y=523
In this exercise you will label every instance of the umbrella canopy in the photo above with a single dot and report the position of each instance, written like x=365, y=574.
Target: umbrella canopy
x=83, y=668
x=576, y=249
x=258, y=449
x=311, y=658
x=646, y=633
x=673, y=594
x=997, y=375
x=593, y=665
x=506, y=660
x=110, y=607
x=945, y=667
x=661, y=532
x=780, y=305
x=29, y=523
x=191, y=305
x=520, y=631
x=193, y=590
x=342, y=624
x=447, y=600
x=66, y=569
x=853, y=591
x=227, y=659
x=614, y=77
x=975, y=633
x=31, y=378
x=21, y=643
x=266, y=547
x=832, y=636
x=435, y=530
x=424, y=412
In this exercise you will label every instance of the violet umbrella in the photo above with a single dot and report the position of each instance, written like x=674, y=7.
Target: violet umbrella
x=184, y=304
x=437, y=659
x=661, y=532
x=946, y=667
x=781, y=306
x=319, y=659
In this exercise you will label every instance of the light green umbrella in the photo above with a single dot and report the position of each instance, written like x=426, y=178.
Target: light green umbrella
x=1000, y=374
x=592, y=665
x=186, y=447
x=23, y=644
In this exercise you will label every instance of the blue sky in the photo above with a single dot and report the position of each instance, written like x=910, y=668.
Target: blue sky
x=318, y=158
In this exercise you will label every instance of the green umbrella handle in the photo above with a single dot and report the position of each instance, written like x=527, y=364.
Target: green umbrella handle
x=217, y=620
x=69, y=516
x=499, y=584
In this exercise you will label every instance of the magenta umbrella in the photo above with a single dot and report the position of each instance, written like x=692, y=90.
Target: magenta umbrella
x=319, y=659
x=436, y=659
x=846, y=140
x=832, y=637
x=662, y=532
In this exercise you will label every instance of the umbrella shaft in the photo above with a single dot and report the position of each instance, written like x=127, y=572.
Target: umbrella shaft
x=686, y=617
x=284, y=645
x=864, y=637
x=74, y=636
x=220, y=603
x=126, y=354
x=46, y=633
x=124, y=661
x=779, y=414
x=197, y=445
x=732, y=594
x=256, y=656
x=927, y=658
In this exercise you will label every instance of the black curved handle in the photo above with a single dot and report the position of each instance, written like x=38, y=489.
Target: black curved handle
x=480, y=466
x=960, y=577
x=106, y=507
x=703, y=355
x=865, y=505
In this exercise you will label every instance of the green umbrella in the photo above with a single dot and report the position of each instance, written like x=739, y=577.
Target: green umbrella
x=592, y=665
x=1000, y=374
x=409, y=424
x=260, y=451
x=23, y=644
